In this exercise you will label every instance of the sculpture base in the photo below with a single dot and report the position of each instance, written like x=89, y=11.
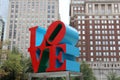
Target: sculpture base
x=66, y=74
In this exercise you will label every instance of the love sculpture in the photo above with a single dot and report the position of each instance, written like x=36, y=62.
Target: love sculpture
x=54, y=49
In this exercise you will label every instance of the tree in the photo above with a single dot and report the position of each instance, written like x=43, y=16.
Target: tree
x=27, y=66
x=12, y=66
x=87, y=72
x=112, y=76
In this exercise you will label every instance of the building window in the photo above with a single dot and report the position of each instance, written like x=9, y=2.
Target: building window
x=102, y=21
x=90, y=17
x=84, y=59
x=91, y=37
x=83, y=22
x=105, y=21
x=107, y=53
x=104, y=59
x=91, y=48
x=83, y=37
x=82, y=8
x=114, y=48
x=75, y=8
x=96, y=27
x=118, y=48
x=78, y=8
x=52, y=16
x=83, y=48
x=79, y=22
x=98, y=21
x=84, y=54
x=53, y=11
x=116, y=5
x=97, y=17
x=112, y=21
x=83, y=27
x=107, y=59
x=118, y=42
x=83, y=32
x=118, y=37
x=100, y=54
x=116, y=16
x=114, y=54
x=79, y=27
x=118, y=26
x=96, y=53
x=115, y=59
x=96, y=8
x=83, y=17
x=91, y=53
x=78, y=32
x=90, y=27
x=91, y=42
x=91, y=31
x=91, y=59
x=111, y=49
x=90, y=21
x=119, y=53
x=111, y=59
x=89, y=8
x=103, y=8
x=100, y=59
x=79, y=17
x=117, y=21
x=79, y=37
x=118, y=32
x=109, y=8
x=90, y=5
x=96, y=48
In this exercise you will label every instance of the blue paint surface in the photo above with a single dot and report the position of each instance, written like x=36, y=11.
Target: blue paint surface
x=72, y=66
x=71, y=36
x=40, y=33
x=70, y=39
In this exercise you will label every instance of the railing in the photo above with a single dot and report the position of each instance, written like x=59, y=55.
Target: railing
x=83, y=1
x=102, y=0
x=105, y=65
x=46, y=75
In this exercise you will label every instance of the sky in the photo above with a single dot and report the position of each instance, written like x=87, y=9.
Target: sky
x=63, y=9
x=3, y=8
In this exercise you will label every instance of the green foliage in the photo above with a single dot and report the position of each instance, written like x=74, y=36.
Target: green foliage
x=87, y=72
x=16, y=66
x=112, y=76
x=12, y=66
x=57, y=78
x=27, y=66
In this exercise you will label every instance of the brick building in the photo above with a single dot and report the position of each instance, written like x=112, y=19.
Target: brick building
x=98, y=24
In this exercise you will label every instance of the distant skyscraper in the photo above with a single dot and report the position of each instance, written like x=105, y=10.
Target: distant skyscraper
x=24, y=14
x=2, y=26
x=98, y=24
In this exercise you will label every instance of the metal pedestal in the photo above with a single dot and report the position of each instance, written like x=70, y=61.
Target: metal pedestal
x=46, y=75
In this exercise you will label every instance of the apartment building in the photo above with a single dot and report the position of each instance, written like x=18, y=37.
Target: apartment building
x=2, y=26
x=24, y=14
x=98, y=24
